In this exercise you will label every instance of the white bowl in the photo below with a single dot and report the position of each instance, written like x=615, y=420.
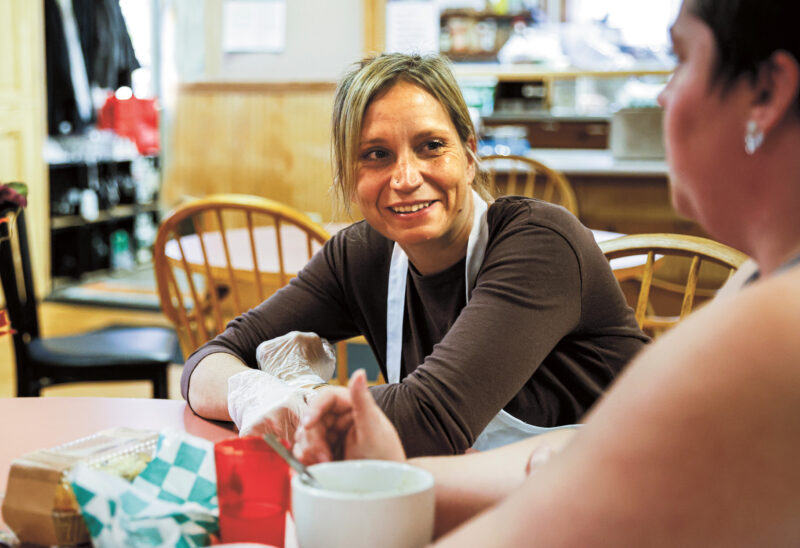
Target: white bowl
x=364, y=504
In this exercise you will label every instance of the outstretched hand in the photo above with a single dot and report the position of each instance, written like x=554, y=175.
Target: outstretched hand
x=259, y=403
x=346, y=423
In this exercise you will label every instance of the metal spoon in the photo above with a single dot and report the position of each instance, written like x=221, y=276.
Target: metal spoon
x=305, y=476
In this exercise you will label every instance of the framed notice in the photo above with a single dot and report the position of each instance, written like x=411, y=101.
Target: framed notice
x=253, y=26
x=412, y=26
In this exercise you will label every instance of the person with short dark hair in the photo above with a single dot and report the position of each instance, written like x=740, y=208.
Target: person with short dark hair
x=697, y=443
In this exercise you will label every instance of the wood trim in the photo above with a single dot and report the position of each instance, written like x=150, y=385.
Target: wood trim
x=374, y=26
x=674, y=244
x=522, y=73
x=258, y=87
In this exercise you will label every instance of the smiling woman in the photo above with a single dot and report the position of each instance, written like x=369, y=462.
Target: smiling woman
x=414, y=177
x=491, y=321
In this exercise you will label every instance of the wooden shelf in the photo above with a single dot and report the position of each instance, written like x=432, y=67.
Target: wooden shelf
x=481, y=15
x=532, y=72
x=472, y=56
x=103, y=160
x=58, y=222
x=476, y=36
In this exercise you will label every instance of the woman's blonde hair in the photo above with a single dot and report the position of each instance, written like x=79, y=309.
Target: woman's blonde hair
x=368, y=79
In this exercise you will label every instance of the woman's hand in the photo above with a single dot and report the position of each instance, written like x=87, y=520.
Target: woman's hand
x=297, y=358
x=259, y=403
x=346, y=424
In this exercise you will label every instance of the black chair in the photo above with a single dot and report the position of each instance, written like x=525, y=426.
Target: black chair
x=111, y=354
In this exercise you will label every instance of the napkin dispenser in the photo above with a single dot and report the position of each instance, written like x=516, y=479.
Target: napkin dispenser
x=636, y=134
x=39, y=505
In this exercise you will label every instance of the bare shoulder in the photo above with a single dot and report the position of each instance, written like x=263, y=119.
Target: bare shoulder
x=705, y=414
x=754, y=325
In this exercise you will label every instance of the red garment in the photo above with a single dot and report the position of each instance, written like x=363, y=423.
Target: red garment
x=133, y=118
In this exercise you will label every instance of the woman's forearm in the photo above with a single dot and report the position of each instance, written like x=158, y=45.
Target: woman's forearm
x=468, y=484
x=208, y=385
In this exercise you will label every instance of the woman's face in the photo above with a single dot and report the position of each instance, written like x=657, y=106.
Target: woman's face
x=414, y=174
x=704, y=129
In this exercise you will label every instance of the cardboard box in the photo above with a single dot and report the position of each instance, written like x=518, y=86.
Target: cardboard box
x=39, y=505
x=636, y=134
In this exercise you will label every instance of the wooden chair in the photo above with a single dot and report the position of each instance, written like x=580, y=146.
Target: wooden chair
x=673, y=268
x=113, y=353
x=219, y=256
x=517, y=175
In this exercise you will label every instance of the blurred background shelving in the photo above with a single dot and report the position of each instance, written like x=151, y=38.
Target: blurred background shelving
x=538, y=75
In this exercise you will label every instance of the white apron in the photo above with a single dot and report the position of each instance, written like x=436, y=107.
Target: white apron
x=503, y=428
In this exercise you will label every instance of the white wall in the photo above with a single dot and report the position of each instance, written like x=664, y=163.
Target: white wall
x=323, y=37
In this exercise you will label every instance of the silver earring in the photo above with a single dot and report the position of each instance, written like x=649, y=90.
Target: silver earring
x=753, y=137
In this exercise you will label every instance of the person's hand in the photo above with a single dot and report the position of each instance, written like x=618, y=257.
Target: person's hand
x=297, y=358
x=260, y=403
x=346, y=424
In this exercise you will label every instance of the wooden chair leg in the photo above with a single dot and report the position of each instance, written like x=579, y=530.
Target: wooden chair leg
x=22, y=386
x=27, y=389
x=341, y=363
x=160, y=385
x=27, y=385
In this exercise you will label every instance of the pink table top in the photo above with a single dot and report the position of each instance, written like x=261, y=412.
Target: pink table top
x=29, y=424
x=294, y=248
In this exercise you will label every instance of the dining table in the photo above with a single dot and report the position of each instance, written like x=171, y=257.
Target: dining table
x=294, y=243
x=30, y=424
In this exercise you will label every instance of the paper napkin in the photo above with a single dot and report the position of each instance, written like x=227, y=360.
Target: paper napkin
x=173, y=502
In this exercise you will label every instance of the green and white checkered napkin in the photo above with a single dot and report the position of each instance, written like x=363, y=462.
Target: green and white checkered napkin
x=173, y=502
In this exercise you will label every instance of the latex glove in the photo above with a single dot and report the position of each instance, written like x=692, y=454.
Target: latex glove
x=259, y=403
x=298, y=359
x=347, y=424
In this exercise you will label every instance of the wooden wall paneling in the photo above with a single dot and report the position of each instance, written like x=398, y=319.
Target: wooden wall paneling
x=629, y=205
x=11, y=149
x=374, y=26
x=271, y=140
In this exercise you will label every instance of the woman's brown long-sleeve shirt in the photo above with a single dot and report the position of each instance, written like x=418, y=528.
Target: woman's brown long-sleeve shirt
x=545, y=331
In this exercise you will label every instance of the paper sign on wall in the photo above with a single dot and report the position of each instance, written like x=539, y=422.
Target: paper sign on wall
x=412, y=26
x=253, y=26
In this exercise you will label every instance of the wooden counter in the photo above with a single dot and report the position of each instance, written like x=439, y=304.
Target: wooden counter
x=599, y=163
x=629, y=196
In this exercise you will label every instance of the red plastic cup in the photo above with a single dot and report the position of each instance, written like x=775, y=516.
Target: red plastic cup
x=253, y=491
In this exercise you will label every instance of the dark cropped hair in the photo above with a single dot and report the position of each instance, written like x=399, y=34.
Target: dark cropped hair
x=747, y=33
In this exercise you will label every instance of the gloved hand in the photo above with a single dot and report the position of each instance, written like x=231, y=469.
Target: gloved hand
x=346, y=423
x=299, y=359
x=275, y=398
x=259, y=403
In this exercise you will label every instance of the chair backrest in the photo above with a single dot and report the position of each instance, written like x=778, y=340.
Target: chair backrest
x=17, y=281
x=517, y=175
x=671, y=268
x=219, y=256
